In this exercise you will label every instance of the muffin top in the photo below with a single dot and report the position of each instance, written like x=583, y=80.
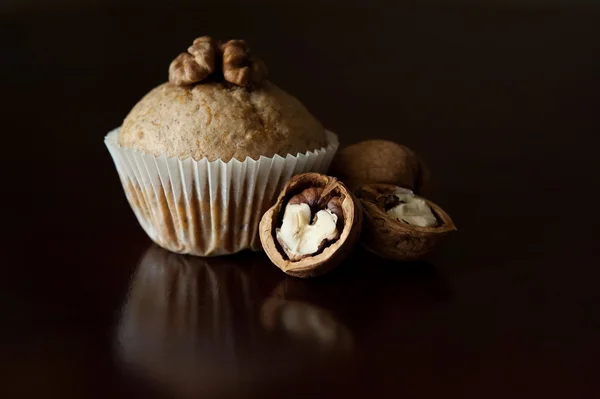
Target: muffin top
x=229, y=115
x=219, y=122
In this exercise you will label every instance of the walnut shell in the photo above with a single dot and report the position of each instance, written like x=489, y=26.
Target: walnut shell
x=395, y=240
x=380, y=161
x=330, y=256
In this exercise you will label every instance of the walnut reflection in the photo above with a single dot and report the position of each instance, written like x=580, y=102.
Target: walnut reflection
x=191, y=322
x=304, y=321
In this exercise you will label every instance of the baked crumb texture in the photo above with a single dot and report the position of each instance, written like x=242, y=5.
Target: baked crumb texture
x=221, y=121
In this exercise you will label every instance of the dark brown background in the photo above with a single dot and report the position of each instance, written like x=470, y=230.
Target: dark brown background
x=501, y=102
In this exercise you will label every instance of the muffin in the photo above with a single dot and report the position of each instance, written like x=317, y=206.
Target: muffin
x=202, y=157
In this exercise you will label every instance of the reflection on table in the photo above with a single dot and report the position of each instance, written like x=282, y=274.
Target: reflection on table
x=194, y=325
x=306, y=323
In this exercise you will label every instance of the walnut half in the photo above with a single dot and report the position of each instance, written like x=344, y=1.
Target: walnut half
x=195, y=65
x=401, y=235
x=313, y=225
x=239, y=67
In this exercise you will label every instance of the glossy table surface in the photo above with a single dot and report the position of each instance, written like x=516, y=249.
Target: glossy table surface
x=502, y=104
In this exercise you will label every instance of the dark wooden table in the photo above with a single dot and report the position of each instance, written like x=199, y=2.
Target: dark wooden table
x=502, y=103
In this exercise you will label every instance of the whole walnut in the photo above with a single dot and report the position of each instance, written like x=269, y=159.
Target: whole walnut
x=380, y=161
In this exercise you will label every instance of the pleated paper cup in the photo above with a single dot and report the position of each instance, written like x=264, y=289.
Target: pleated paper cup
x=207, y=208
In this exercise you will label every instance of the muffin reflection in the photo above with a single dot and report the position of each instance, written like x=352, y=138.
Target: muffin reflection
x=190, y=322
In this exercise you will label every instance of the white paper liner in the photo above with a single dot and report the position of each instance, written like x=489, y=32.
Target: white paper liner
x=207, y=208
